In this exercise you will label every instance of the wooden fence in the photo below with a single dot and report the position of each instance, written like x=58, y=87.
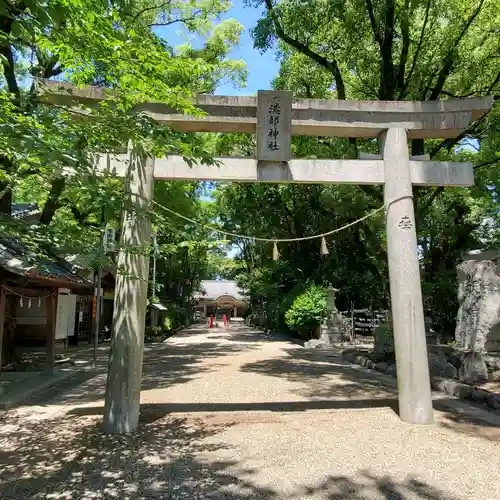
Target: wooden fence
x=365, y=320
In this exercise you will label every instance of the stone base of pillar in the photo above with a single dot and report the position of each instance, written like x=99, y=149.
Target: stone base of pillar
x=330, y=335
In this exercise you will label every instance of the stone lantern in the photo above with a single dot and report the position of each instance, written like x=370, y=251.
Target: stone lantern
x=332, y=327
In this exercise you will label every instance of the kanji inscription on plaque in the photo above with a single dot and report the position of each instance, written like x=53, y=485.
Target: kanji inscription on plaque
x=274, y=125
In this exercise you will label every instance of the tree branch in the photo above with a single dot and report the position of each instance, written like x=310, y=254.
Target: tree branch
x=449, y=143
x=450, y=56
x=308, y=90
x=184, y=20
x=8, y=60
x=367, y=86
x=387, y=77
x=403, y=58
x=373, y=22
x=486, y=163
x=53, y=202
x=495, y=82
x=331, y=66
x=147, y=9
x=417, y=51
x=81, y=217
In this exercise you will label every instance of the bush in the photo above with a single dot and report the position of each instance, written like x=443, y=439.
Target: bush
x=153, y=331
x=307, y=311
x=175, y=318
x=167, y=323
x=384, y=339
x=153, y=334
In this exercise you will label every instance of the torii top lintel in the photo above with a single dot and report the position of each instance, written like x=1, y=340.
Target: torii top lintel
x=316, y=117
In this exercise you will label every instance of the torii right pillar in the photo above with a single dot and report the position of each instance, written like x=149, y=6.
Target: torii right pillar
x=414, y=390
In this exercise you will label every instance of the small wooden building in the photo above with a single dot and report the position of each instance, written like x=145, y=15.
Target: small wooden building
x=38, y=299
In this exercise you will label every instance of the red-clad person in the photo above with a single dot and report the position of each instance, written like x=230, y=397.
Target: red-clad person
x=226, y=321
x=211, y=321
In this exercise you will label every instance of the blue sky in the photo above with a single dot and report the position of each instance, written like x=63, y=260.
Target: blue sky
x=262, y=68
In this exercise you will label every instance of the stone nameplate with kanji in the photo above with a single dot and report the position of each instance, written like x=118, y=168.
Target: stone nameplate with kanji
x=274, y=125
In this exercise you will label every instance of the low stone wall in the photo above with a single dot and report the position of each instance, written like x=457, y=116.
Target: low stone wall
x=448, y=386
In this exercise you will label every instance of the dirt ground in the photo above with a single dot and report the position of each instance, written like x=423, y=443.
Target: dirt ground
x=231, y=414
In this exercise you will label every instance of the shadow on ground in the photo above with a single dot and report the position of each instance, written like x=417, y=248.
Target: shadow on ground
x=178, y=363
x=166, y=458
x=325, y=380
x=164, y=365
x=332, y=383
x=278, y=406
x=240, y=333
x=469, y=422
x=322, y=375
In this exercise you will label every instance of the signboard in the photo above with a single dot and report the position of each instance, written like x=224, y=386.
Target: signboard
x=71, y=314
x=274, y=125
x=62, y=317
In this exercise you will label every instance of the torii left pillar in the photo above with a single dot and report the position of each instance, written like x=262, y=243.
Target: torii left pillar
x=123, y=388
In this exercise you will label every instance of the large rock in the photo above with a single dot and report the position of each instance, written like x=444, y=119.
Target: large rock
x=492, y=362
x=381, y=367
x=316, y=344
x=478, y=319
x=439, y=365
x=473, y=369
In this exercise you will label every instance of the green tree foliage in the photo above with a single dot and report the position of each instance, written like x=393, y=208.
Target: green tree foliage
x=47, y=153
x=387, y=50
x=184, y=250
x=307, y=311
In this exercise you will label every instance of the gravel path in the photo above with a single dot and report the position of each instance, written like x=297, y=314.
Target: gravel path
x=232, y=414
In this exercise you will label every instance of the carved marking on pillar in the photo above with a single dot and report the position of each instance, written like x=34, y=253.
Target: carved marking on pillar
x=405, y=223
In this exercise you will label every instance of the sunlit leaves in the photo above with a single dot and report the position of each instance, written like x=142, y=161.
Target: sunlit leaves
x=48, y=153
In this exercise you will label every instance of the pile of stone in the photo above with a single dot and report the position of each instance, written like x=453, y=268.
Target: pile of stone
x=493, y=366
x=457, y=369
x=438, y=383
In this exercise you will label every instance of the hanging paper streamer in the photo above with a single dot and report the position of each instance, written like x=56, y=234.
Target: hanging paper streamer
x=39, y=302
x=21, y=302
x=29, y=304
x=276, y=254
x=324, y=248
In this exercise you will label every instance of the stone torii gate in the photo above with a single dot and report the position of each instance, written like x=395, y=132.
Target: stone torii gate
x=275, y=117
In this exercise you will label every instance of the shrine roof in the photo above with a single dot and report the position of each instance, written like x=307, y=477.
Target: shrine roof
x=22, y=260
x=212, y=289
